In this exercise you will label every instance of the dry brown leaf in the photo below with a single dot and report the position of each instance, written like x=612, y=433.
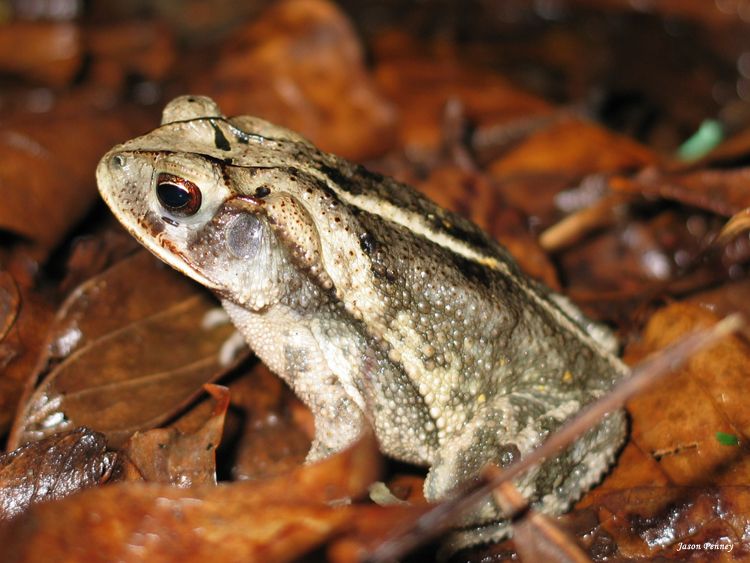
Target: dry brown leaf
x=132, y=48
x=272, y=440
x=91, y=255
x=277, y=519
x=168, y=456
x=301, y=66
x=30, y=316
x=52, y=469
x=421, y=83
x=47, y=166
x=561, y=156
x=9, y=304
x=133, y=352
x=573, y=146
x=723, y=191
x=677, y=420
x=46, y=52
x=370, y=527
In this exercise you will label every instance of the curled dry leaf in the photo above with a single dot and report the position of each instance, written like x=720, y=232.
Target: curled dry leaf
x=738, y=223
x=277, y=519
x=52, y=469
x=273, y=440
x=166, y=455
x=301, y=65
x=132, y=352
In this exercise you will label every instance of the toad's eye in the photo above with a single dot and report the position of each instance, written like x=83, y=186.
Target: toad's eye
x=177, y=195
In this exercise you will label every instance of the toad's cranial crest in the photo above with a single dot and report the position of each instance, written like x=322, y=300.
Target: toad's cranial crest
x=376, y=305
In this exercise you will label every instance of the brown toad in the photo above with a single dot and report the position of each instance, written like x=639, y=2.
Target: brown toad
x=374, y=304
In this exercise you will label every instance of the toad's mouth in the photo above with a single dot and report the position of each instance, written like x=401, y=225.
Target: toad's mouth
x=165, y=249
x=180, y=262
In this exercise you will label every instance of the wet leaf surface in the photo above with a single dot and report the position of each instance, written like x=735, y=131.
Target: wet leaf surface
x=52, y=469
x=673, y=523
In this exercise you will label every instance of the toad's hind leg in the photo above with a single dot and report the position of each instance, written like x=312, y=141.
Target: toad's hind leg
x=511, y=426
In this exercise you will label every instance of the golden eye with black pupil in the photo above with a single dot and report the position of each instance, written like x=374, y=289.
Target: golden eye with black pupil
x=179, y=196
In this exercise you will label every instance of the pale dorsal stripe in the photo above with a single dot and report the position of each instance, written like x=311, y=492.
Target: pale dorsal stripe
x=418, y=225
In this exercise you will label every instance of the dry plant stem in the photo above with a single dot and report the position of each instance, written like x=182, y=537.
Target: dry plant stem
x=439, y=519
x=537, y=537
x=507, y=497
x=737, y=224
x=575, y=227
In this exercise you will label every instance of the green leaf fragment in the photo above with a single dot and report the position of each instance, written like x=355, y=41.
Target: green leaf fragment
x=708, y=136
x=727, y=439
